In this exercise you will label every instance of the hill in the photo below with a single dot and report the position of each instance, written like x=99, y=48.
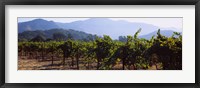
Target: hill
x=98, y=26
x=49, y=34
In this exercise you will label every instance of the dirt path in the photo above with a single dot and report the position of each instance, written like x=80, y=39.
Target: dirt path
x=33, y=64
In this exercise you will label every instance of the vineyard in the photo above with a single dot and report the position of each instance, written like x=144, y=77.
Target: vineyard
x=102, y=53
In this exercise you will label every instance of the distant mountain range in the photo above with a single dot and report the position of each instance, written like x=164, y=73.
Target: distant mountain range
x=98, y=26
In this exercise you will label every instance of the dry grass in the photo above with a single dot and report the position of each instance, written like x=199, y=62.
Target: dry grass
x=38, y=64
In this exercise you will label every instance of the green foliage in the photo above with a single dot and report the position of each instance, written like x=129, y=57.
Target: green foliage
x=38, y=38
x=132, y=52
x=59, y=36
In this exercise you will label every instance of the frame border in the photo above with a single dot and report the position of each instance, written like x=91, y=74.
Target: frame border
x=99, y=2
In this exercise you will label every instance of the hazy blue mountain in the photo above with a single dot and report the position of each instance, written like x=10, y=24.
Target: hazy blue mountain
x=38, y=24
x=98, y=26
x=105, y=26
x=166, y=33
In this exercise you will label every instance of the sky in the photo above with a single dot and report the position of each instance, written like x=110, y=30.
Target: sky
x=160, y=22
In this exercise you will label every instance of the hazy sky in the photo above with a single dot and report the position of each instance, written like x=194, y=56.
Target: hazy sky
x=160, y=22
